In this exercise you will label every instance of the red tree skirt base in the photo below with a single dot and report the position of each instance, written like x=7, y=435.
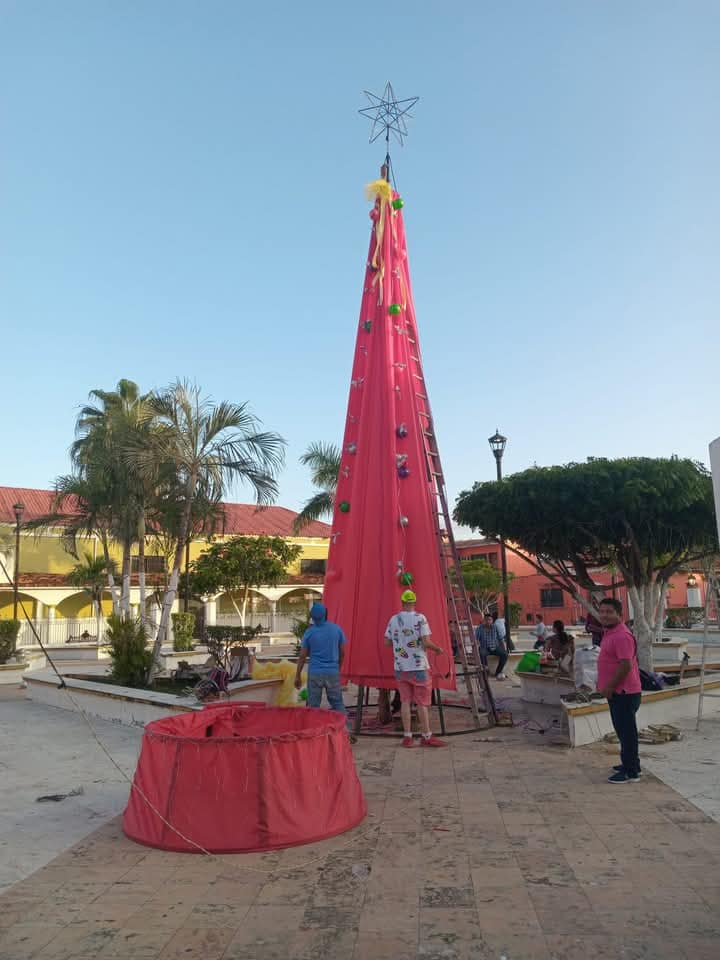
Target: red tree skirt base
x=238, y=778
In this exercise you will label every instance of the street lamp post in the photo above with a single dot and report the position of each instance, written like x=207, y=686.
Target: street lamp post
x=19, y=509
x=497, y=445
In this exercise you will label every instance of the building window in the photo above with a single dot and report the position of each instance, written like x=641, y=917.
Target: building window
x=491, y=558
x=551, y=597
x=312, y=566
x=153, y=564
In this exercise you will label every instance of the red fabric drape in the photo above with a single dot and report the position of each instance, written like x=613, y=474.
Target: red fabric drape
x=384, y=524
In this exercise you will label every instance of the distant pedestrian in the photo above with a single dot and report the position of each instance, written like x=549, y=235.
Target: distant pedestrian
x=540, y=632
x=408, y=633
x=503, y=631
x=323, y=644
x=619, y=681
x=490, y=644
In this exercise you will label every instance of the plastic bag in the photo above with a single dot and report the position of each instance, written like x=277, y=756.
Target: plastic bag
x=586, y=668
x=529, y=662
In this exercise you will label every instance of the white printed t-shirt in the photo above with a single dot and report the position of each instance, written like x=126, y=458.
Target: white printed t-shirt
x=406, y=630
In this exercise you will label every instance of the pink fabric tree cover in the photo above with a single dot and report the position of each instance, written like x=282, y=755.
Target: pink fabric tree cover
x=384, y=523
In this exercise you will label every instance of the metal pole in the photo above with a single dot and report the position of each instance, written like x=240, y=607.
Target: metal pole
x=17, y=564
x=503, y=563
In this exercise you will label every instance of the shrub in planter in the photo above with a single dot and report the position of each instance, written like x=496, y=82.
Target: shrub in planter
x=221, y=639
x=183, y=628
x=300, y=625
x=130, y=658
x=683, y=617
x=9, y=630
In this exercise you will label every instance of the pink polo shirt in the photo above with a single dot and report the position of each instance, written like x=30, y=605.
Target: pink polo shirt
x=618, y=644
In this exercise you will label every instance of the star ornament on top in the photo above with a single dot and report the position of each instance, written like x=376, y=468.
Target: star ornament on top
x=388, y=114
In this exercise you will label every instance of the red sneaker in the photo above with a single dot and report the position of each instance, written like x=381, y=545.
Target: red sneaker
x=408, y=742
x=432, y=742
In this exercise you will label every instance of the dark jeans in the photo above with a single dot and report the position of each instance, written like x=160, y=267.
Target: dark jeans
x=623, y=707
x=500, y=653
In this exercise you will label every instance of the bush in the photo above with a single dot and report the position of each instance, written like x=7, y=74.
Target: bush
x=298, y=628
x=515, y=611
x=9, y=630
x=683, y=617
x=183, y=628
x=130, y=658
x=220, y=639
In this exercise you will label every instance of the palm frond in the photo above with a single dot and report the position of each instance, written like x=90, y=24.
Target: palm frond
x=318, y=506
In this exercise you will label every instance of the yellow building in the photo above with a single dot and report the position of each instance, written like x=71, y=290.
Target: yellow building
x=45, y=565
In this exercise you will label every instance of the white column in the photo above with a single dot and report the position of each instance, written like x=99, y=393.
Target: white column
x=210, y=612
x=39, y=610
x=693, y=597
x=50, y=612
x=273, y=611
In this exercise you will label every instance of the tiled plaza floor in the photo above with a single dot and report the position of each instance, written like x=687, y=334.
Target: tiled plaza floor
x=506, y=848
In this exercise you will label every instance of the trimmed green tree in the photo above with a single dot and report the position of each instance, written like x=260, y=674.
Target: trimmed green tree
x=483, y=584
x=237, y=565
x=646, y=517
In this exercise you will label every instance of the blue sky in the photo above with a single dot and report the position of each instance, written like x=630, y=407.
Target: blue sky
x=181, y=194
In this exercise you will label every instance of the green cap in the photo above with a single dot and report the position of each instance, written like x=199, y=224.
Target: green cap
x=408, y=596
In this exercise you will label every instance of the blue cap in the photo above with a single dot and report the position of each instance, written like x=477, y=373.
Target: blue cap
x=318, y=612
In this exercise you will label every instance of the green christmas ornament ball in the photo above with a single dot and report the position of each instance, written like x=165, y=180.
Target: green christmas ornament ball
x=344, y=506
x=394, y=309
x=398, y=203
x=303, y=694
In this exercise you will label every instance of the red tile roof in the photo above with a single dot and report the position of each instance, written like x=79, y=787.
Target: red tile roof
x=240, y=518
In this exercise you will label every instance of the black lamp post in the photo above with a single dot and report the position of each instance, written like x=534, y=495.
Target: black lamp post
x=19, y=509
x=497, y=444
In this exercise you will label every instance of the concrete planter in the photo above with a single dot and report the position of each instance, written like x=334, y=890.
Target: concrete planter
x=127, y=705
x=12, y=673
x=544, y=687
x=590, y=722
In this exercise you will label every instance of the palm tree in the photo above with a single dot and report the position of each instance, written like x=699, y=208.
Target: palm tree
x=91, y=574
x=103, y=430
x=324, y=462
x=196, y=450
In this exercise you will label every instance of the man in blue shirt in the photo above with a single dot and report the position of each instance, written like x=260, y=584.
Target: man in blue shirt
x=324, y=645
x=490, y=644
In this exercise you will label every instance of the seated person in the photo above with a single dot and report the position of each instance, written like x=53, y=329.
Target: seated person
x=560, y=648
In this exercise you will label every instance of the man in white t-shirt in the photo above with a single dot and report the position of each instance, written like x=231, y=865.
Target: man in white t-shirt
x=540, y=632
x=408, y=633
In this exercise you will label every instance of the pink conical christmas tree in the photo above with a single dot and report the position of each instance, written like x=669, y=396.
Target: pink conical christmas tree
x=384, y=532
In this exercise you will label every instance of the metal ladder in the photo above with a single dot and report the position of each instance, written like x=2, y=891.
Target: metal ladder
x=462, y=634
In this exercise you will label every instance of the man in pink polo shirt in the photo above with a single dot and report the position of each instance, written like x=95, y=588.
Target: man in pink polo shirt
x=619, y=681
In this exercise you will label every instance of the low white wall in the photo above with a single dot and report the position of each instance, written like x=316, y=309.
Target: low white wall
x=590, y=724
x=12, y=673
x=118, y=704
x=127, y=705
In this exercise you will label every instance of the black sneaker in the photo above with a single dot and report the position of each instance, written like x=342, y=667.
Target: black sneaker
x=622, y=777
x=621, y=769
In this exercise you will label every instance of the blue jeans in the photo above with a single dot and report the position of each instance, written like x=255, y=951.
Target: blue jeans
x=330, y=683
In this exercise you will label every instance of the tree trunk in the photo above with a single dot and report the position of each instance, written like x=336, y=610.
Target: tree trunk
x=246, y=593
x=171, y=591
x=97, y=605
x=112, y=586
x=644, y=608
x=125, y=594
x=141, y=569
